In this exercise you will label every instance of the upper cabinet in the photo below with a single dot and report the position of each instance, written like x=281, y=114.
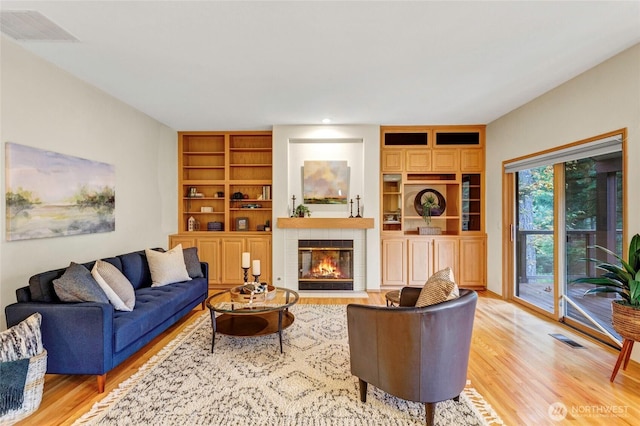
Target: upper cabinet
x=443, y=162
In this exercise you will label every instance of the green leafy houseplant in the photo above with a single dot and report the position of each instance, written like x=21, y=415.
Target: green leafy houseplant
x=302, y=211
x=623, y=279
x=430, y=202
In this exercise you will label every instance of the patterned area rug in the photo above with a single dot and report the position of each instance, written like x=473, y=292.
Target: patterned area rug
x=247, y=381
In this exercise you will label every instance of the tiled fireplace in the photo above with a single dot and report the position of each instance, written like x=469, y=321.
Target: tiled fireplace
x=355, y=255
x=325, y=264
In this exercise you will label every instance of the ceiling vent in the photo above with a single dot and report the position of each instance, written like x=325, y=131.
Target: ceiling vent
x=29, y=25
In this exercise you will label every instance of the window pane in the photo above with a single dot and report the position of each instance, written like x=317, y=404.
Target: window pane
x=593, y=194
x=534, y=237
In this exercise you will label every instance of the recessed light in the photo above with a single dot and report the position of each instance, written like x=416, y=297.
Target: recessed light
x=326, y=120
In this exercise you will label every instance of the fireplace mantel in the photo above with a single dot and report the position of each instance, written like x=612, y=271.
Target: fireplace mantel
x=325, y=222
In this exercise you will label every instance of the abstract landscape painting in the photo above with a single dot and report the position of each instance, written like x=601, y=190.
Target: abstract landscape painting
x=325, y=182
x=53, y=195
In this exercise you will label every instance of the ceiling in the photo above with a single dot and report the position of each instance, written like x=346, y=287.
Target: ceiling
x=205, y=65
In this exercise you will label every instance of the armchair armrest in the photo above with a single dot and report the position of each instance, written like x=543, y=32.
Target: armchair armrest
x=77, y=336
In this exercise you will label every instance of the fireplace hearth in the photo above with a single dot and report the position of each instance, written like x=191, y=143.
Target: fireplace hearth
x=325, y=264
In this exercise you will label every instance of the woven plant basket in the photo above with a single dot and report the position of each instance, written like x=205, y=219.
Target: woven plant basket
x=32, y=390
x=626, y=321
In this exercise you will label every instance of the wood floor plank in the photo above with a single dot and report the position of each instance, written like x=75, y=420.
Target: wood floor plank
x=515, y=365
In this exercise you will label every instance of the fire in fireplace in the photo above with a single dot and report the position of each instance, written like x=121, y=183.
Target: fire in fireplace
x=325, y=264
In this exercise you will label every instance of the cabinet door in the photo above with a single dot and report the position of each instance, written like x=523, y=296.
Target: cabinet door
x=260, y=249
x=446, y=160
x=186, y=241
x=471, y=160
x=394, y=257
x=231, y=249
x=473, y=259
x=446, y=254
x=418, y=160
x=420, y=260
x=209, y=251
x=392, y=160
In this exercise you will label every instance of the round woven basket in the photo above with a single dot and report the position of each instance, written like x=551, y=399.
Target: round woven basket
x=626, y=321
x=33, y=388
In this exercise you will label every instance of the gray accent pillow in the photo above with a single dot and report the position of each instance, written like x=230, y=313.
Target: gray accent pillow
x=23, y=340
x=77, y=285
x=192, y=262
x=115, y=285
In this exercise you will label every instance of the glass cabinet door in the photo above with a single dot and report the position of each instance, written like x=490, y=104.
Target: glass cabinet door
x=392, y=202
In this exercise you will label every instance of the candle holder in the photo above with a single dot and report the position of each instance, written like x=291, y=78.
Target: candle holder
x=358, y=204
x=246, y=274
x=293, y=210
x=256, y=279
x=351, y=208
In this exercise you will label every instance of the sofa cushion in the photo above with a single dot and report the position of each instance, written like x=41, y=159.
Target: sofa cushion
x=136, y=268
x=23, y=340
x=77, y=285
x=154, y=305
x=167, y=267
x=439, y=288
x=192, y=262
x=115, y=285
x=41, y=286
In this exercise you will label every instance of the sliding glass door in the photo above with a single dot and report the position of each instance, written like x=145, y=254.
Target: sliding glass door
x=534, y=237
x=593, y=216
x=562, y=204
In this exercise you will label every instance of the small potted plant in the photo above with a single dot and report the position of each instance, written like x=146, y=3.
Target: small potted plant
x=302, y=211
x=623, y=279
x=429, y=202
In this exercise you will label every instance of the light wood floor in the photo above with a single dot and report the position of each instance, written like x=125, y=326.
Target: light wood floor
x=518, y=368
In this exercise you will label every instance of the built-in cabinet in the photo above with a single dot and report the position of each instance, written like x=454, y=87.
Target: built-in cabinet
x=224, y=205
x=447, y=161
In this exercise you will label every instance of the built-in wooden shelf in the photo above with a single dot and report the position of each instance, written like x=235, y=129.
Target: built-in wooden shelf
x=325, y=222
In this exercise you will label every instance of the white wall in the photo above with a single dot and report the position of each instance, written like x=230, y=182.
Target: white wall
x=601, y=100
x=360, y=146
x=45, y=107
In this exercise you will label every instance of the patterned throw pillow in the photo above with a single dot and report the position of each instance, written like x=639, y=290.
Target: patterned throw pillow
x=23, y=340
x=77, y=285
x=439, y=288
x=192, y=262
x=116, y=286
x=168, y=267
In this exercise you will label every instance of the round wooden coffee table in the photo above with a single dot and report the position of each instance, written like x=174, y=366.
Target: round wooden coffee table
x=255, y=317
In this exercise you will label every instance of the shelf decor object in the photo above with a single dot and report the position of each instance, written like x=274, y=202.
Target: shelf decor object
x=421, y=198
x=427, y=203
x=242, y=223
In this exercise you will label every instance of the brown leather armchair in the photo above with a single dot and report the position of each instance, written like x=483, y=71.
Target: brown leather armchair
x=417, y=354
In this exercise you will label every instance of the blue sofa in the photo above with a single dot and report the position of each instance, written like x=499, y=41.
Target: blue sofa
x=93, y=338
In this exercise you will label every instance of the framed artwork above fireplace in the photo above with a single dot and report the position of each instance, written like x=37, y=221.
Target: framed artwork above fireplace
x=325, y=182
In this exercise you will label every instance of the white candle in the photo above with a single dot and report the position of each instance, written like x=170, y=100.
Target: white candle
x=256, y=267
x=246, y=259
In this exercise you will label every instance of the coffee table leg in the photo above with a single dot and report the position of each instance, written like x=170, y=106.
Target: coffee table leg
x=213, y=327
x=280, y=327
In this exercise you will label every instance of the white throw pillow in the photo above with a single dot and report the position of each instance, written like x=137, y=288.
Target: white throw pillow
x=439, y=288
x=116, y=286
x=167, y=267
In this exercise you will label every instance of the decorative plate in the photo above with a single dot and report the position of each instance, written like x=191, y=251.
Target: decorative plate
x=421, y=198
